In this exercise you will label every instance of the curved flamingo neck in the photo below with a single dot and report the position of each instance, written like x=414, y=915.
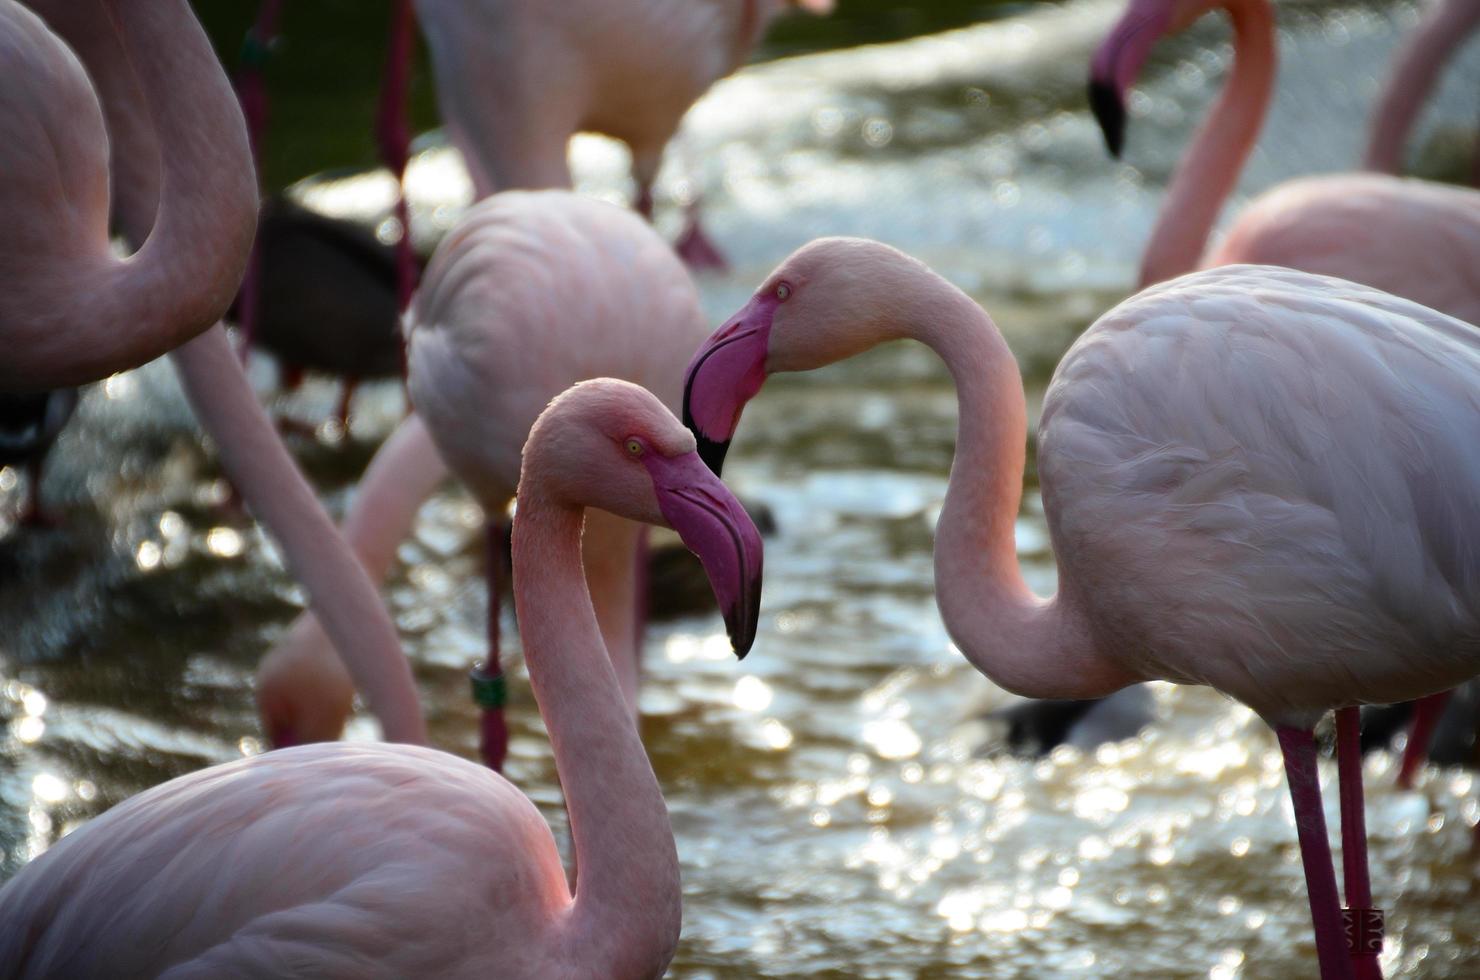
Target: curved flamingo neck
x=1416, y=66
x=1209, y=170
x=1028, y=645
x=625, y=918
x=191, y=256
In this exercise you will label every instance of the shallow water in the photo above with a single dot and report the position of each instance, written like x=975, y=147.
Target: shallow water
x=838, y=811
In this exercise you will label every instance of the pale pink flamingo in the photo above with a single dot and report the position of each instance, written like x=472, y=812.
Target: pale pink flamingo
x=529, y=293
x=400, y=861
x=1254, y=479
x=72, y=311
x=1415, y=69
x=1413, y=238
x=517, y=78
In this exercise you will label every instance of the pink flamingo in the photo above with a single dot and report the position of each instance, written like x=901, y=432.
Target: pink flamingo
x=1412, y=76
x=73, y=312
x=1413, y=238
x=495, y=331
x=517, y=78
x=1416, y=239
x=394, y=860
x=1254, y=478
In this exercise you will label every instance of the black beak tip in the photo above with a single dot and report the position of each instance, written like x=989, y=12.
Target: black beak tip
x=1109, y=110
x=743, y=621
x=713, y=453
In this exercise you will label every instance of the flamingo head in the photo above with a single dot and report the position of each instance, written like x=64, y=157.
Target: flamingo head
x=304, y=694
x=833, y=298
x=1121, y=55
x=614, y=446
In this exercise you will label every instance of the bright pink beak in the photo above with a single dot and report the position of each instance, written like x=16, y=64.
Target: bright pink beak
x=715, y=527
x=1118, y=62
x=726, y=373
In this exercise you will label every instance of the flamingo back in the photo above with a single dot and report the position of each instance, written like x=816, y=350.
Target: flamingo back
x=1413, y=238
x=366, y=860
x=1267, y=481
x=530, y=293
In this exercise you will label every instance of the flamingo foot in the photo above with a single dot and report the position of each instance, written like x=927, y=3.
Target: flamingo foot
x=696, y=249
x=1299, y=749
x=1426, y=714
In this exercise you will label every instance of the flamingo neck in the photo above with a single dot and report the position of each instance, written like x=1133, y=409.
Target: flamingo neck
x=1031, y=646
x=625, y=917
x=1415, y=68
x=1209, y=171
x=194, y=247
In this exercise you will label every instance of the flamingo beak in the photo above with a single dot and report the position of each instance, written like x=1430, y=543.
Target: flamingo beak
x=1118, y=63
x=726, y=373
x=715, y=527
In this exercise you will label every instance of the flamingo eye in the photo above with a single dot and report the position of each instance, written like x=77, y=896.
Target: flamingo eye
x=783, y=292
x=634, y=448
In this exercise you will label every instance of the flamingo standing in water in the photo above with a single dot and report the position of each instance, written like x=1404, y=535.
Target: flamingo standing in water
x=1254, y=479
x=517, y=78
x=1413, y=238
x=394, y=860
x=498, y=328
x=73, y=313
x=1415, y=70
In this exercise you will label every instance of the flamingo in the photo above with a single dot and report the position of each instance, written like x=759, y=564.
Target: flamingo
x=497, y=329
x=1414, y=238
x=517, y=78
x=29, y=425
x=395, y=860
x=1254, y=478
x=1415, y=69
x=72, y=312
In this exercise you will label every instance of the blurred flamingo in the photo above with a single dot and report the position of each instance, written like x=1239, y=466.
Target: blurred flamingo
x=517, y=78
x=1415, y=69
x=497, y=329
x=1254, y=478
x=393, y=860
x=1413, y=238
x=74, y=312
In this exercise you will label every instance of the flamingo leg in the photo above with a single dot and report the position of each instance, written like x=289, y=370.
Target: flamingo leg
x=487, y=675
x=1363, y=922
x=1426, y=714
x=346, y=397
x=694, y=245
x=35, y=514
x=1299, y=748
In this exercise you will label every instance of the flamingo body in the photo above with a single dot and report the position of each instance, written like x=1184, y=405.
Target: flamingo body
x=399, y=861
x=1261, y=481
x=1413, y=238
x=225, y=872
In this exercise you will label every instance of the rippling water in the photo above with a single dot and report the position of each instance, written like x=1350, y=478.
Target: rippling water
x=840, y=812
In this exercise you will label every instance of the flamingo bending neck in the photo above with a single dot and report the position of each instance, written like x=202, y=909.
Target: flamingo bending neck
x=1209, y=170
x=1035, y=647
x=626, y=912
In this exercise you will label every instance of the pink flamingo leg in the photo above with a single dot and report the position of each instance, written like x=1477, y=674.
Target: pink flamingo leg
x=346, y=398
x=1426, y=714
x=695, y=247
x=1299, y=748
x=489, y=691
x=35, y=514
x=1363, y=922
